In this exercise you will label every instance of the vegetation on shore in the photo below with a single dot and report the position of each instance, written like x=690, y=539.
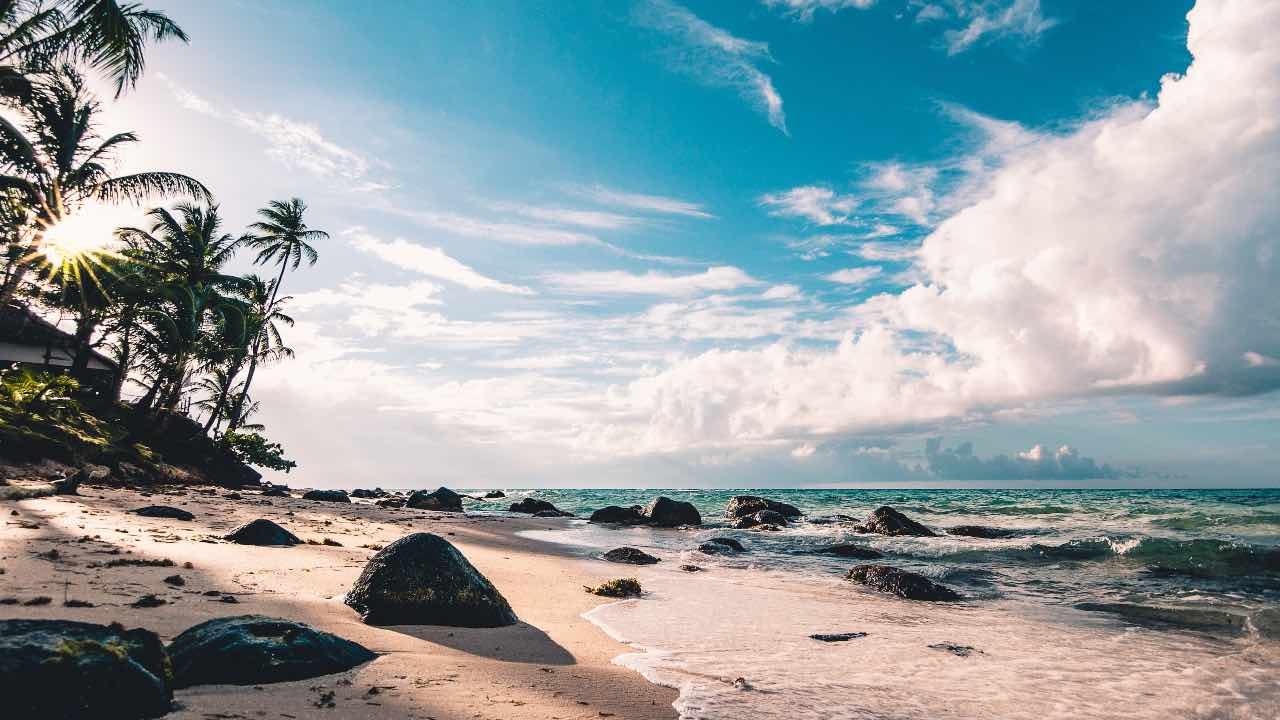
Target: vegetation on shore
x=159, y=301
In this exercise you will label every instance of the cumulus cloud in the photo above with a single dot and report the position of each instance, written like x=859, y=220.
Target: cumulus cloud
x=617, y=282
x=429, y=261
x=1135, y=253
x=1038, y=463
x=714, y=56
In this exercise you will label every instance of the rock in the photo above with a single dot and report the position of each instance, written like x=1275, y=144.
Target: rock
x=904, y=584
x=838, y=637
x=887, y=521
x=552, y=513
x=762, y=517
x=276, y=491
x=262, y=532
x=60, y=670
x=665, y=512
x=620, y=588
x=391, y=502
x=958, y=650
x=532, y=506
x=442, y=500
x=619, y=515
x=851, y=551
x=981, y=531
x=253, y=649
x=690, y=568
x=362, y=493
x=832, y=519
x=164, y=511
x=721, y=546
x=422, y=579
x=175, y=580
x=743, y=505
x=1156, y=616
x=493, y=494
x=630, y=556
x=327, y=496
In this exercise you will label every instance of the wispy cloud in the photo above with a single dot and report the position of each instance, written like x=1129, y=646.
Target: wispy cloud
x=715, y=57
x=429, y=261
x=804, y=10
x=646, y=203
x=854, y=276
x=502, y=231
x=817, y=204
x=616, y=282
x=294, y=143
x=594, y=219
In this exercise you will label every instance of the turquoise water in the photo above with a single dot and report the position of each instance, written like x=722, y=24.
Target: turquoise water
x=1038, y=652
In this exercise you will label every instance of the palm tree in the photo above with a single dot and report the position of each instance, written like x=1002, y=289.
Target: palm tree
x=282, y=238
x=264, y=342
x=57, y=162
x=103, y=34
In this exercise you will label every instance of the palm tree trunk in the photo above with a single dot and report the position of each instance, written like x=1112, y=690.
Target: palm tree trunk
x=253, y=359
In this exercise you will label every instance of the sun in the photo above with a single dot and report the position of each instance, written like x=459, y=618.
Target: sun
x=75, y=238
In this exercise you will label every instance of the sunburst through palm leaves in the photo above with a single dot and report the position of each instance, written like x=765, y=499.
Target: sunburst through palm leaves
x=73, y=250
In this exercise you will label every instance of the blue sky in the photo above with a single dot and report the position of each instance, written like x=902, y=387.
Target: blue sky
x=753, y=243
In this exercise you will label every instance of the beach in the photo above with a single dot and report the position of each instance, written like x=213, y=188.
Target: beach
x=554, y=664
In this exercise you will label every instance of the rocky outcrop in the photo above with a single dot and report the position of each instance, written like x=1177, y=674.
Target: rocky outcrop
x=762, y=517
x=494, y=494
x=164, y=511
x=904, y=584
x=253, y=649
x=887, y=521
x=665, y=512
x=743, y=505
x=630, y=556
x=721, y=546
x=441, y=499
x=861, y=552
x=262, y=532
x=59, y=670
x=615, y=515
x=533, y=506
x=982, y=531
x=339, y=496
x=368, y=494
x=422, y=579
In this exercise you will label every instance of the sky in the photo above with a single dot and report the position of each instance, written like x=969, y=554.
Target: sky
x=754, y=244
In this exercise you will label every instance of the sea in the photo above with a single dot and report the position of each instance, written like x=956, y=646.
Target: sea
x=1100, y=604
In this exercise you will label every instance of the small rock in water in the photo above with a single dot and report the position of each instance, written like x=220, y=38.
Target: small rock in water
x=616, y=515
x=690, y=568
x=721, y=546
x=743, y=505
x=885, y=520
x=262, y=532
x=494, y=494
x=860, y=552
x=958, y=650
x=763, y=517
x=1156, y=616
x=630, y=556
x=533, y=506
x=982, y=531
x=838, y=637
x=252, y=649
x=164, y=511
x=904, y=584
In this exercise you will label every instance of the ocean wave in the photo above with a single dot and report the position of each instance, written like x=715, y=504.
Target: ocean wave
x=1201, y=521
x=1197, y=558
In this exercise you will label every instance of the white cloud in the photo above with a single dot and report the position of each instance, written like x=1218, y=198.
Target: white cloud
x=595, y=219
x=515, y=233
x=429, y=261
x=713, y=56
x=819, y=205
x=804, y=10
x=1038, y=463
x=358, y=292
x=854, y=276
x=647, y=203
x=782, y=292
x=1135, y=253
x=616, y=282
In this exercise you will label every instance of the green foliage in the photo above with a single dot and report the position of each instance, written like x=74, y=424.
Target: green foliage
x=618, y=588
x=40, y=392
x=255, y=449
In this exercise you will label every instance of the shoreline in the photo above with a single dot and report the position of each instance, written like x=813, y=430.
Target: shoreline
x=555, y=663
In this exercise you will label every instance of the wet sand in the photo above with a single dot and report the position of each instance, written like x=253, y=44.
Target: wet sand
x=554, y=664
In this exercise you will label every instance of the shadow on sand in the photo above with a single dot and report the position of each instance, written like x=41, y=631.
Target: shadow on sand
x=519, y=643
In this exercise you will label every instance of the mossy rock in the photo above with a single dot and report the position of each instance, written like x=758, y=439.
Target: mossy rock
x=422, y=579
x=617, y=588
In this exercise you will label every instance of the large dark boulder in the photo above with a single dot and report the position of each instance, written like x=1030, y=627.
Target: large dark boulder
x=368, y=494
x=422, y=579
x=441, y=499
x=619, y=515
x=743, y=505
x=327, y=496
x=63, y=670
x=721, y=546
x=253, y=649
x=164, y=511
x=861, y=552
x=982, y=531
x=885, y=520
x=533, y=506
x=494, y=494
x=262, y=532
x=665, y=512
x=630, y=556
x=896, y=581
